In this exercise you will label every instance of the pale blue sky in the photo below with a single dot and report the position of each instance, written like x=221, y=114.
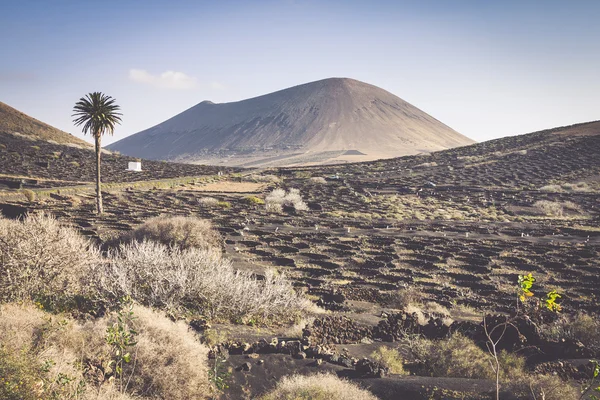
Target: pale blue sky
x=486, y=68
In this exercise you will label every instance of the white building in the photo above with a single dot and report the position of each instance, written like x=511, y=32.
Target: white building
x=135, y=166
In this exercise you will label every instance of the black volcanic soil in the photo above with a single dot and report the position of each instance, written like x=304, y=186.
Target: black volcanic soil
x=43, y=163
x=459, y=226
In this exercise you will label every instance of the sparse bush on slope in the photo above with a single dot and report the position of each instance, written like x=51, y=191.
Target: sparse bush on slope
x=182, y=232
x=547, y=387
x=317, y=387
x=318, y=180
x=581, y=327
x=46, y=356
x=457, y=357
x=41, y=259
x=199, y=281
x=390, y=358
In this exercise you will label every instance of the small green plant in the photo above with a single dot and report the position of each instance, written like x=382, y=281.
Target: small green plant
x=121, y=336
x=592, y=382
x=525, y=285
x=524, y=292
x=218, y=374
x=224, y=204
x=495, y=334
x=254, y=200
x=551, y=303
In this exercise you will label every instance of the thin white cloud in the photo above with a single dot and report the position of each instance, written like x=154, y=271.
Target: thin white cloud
x=217, y=85
x=13, y=76
x=166, y=80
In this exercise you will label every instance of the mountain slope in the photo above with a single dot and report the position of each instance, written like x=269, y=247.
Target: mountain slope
x=14, y=121
x=331, y=120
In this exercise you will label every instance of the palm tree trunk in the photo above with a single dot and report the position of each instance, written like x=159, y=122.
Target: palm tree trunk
x=97, y=138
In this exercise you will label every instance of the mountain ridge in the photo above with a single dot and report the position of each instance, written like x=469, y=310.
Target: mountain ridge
x=332, y=115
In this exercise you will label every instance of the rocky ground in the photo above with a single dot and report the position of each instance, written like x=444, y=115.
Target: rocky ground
x=457, y=226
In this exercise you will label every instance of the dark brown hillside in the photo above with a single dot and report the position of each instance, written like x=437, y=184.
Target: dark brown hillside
x=15, y=122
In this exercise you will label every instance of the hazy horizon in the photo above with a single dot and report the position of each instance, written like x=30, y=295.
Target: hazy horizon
x=486, y=70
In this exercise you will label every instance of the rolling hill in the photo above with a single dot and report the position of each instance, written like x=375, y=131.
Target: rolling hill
x=13, y=121
x=328, y=121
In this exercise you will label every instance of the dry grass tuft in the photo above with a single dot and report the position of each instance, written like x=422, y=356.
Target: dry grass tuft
x=317, y=387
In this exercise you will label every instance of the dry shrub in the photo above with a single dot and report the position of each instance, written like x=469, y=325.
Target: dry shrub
x=57, y=357
x=582, y=327
x=318, y=180
x=426, y=165
x=208, y=201
x=170, y=363
x=279, y=198
x=567, y=187
x=569, y=205
x=552, y=188
x=181, y=232
x=317, y=387
x=404, y=297
x=390, y=358
x=547, y=387
x=29, y=195
x=550, y=208
x=32, y=356
x=42, y=259
x=200, y=281
x=457, y=357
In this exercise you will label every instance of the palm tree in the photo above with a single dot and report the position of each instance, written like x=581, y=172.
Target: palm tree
x=99, y=114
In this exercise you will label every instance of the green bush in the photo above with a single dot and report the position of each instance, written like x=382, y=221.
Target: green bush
x=224, y=204
x=254, y=200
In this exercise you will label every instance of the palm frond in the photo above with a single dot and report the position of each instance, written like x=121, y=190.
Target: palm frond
x=98, y=114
